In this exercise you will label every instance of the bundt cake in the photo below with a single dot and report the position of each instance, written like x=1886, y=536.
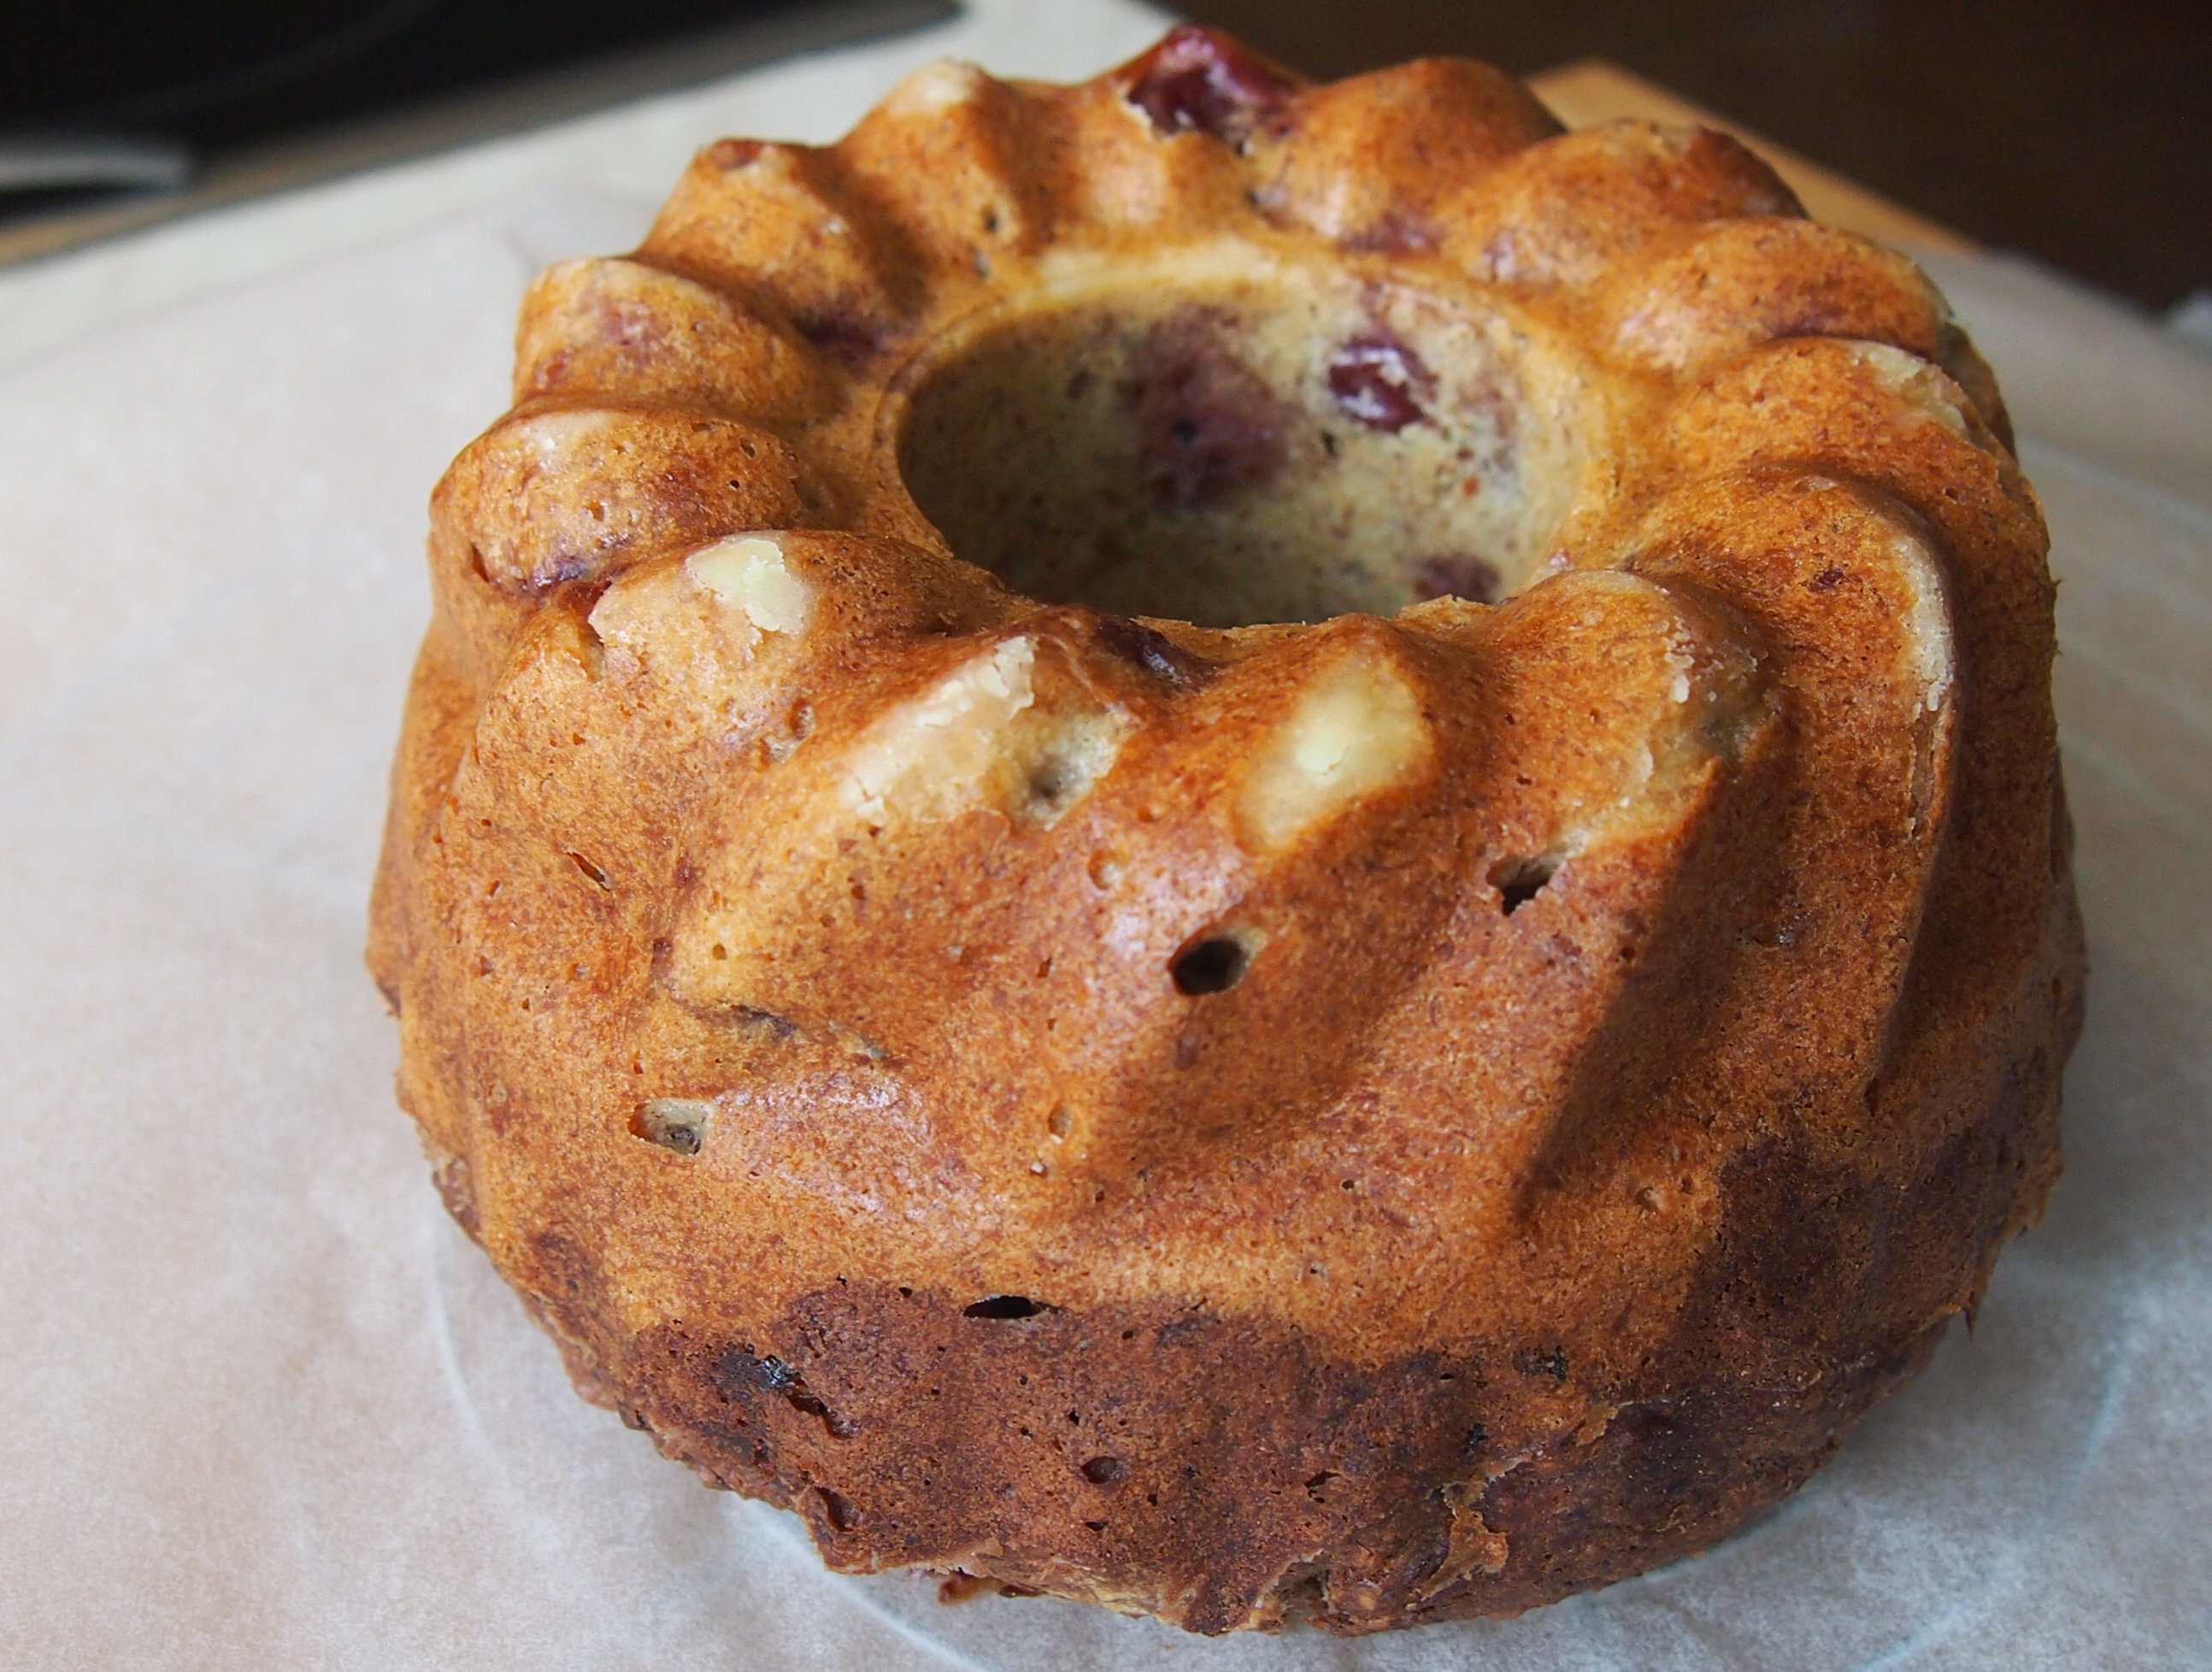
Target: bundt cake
x=1247, y=849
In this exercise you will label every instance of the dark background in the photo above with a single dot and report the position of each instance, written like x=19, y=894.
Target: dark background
x=226, y=74
x=2075, y=132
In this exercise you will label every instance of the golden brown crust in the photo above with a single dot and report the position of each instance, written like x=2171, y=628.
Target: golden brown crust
x=1371, y=161
x=1566, y=212
x=1743, y=282
x=1400, y=1117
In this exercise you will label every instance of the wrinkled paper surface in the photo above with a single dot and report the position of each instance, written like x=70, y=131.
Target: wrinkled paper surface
x=264, y=1406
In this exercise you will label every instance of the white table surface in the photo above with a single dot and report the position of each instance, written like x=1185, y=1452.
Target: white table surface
x=264, y=1406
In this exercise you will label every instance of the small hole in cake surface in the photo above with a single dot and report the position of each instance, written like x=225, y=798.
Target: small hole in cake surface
x=1518, y=881
x=1233, y=450
x=1104, y=1471
x=1005, y=1306
x=1214, y=965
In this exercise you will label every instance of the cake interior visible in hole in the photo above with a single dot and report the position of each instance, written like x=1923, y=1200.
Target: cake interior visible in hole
x=1236, y=448
x=675, y=1123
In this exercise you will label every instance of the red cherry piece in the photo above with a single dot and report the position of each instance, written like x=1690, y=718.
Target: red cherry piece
x=1198, y=80
x=1381, y=382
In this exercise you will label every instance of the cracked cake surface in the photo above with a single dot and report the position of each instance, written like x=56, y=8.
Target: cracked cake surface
x=1252, y=850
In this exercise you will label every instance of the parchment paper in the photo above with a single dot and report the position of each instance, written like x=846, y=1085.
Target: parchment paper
x=264, y=1406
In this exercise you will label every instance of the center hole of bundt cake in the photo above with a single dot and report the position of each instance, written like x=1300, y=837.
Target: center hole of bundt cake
x=1251, y=452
